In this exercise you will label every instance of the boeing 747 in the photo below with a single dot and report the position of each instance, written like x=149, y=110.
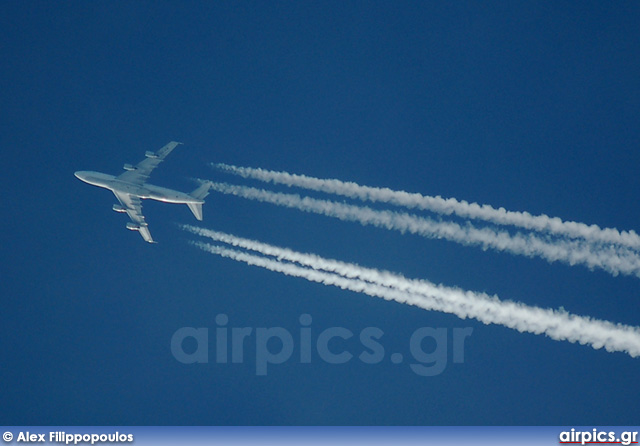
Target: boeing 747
x=131, y=187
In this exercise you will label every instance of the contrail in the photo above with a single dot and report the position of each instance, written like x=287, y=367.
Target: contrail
x=445, y=206
x=558, y=325
x=612, y=259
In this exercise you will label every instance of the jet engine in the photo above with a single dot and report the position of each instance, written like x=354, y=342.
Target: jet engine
x=133, y=227
x=128, y=167
x=150, y=154
x=118, y=208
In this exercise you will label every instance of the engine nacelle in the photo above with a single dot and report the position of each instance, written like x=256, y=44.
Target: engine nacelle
x=150, y=154
x=118, y=208
x=128, y=167
x=133, y=227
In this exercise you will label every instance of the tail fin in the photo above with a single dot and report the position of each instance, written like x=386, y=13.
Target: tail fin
x=199, y=194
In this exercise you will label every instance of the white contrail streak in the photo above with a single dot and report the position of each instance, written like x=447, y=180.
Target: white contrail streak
x=446, y=206
x=612, y=259
x=558, y=325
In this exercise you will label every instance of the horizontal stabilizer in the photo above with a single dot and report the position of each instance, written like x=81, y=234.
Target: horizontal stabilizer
x=201, y=191
x=199, y=194
x=196, y=208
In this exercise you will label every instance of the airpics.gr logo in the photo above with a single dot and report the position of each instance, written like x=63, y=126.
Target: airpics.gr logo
x=429, y=347
x=597, y=436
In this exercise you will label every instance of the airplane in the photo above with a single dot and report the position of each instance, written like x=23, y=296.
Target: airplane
x=130, y=188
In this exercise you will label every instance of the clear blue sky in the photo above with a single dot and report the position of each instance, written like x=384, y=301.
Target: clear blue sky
x=528, y=105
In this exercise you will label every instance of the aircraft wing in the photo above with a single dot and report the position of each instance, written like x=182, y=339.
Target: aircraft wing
x=139, y=173
x=133, y=207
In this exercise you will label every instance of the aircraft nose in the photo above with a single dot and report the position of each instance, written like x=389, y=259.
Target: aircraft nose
x=81, y=175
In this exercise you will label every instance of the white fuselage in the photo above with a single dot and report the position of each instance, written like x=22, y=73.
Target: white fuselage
x=145, y=191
